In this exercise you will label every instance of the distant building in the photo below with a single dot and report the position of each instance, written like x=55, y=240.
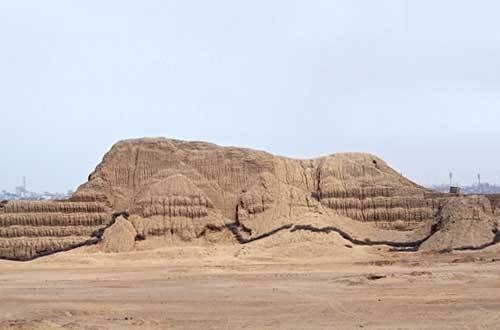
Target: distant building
x=21, y=193
x=483, y=188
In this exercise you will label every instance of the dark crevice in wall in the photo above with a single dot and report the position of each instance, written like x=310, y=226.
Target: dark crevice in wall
x=234, y=228
x=367, y=241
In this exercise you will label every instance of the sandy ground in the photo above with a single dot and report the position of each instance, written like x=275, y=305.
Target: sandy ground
x=250, y=287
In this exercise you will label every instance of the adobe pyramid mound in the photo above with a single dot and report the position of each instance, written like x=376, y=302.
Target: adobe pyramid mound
x=177, y=190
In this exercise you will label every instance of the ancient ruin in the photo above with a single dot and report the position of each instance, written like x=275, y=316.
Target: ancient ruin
x=186, y=191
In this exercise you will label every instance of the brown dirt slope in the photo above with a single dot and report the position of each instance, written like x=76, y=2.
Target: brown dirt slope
x=465, y=223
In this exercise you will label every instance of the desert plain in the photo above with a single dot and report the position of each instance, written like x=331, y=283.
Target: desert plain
x=262, y=285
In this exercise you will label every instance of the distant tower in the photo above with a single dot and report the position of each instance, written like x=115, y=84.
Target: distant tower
x=451, y=179
x=24, y=183
x=479, y=182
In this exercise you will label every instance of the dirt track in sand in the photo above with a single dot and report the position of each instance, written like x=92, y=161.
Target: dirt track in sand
x=387, y=292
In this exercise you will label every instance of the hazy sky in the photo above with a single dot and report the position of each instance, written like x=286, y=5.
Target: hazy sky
x=415, y=82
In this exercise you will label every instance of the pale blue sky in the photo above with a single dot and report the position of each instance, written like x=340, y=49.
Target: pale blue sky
x=415, y=82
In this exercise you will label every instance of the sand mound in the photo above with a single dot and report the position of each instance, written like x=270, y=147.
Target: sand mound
x=187, y=191
x=119, y=237
x=464, y=223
